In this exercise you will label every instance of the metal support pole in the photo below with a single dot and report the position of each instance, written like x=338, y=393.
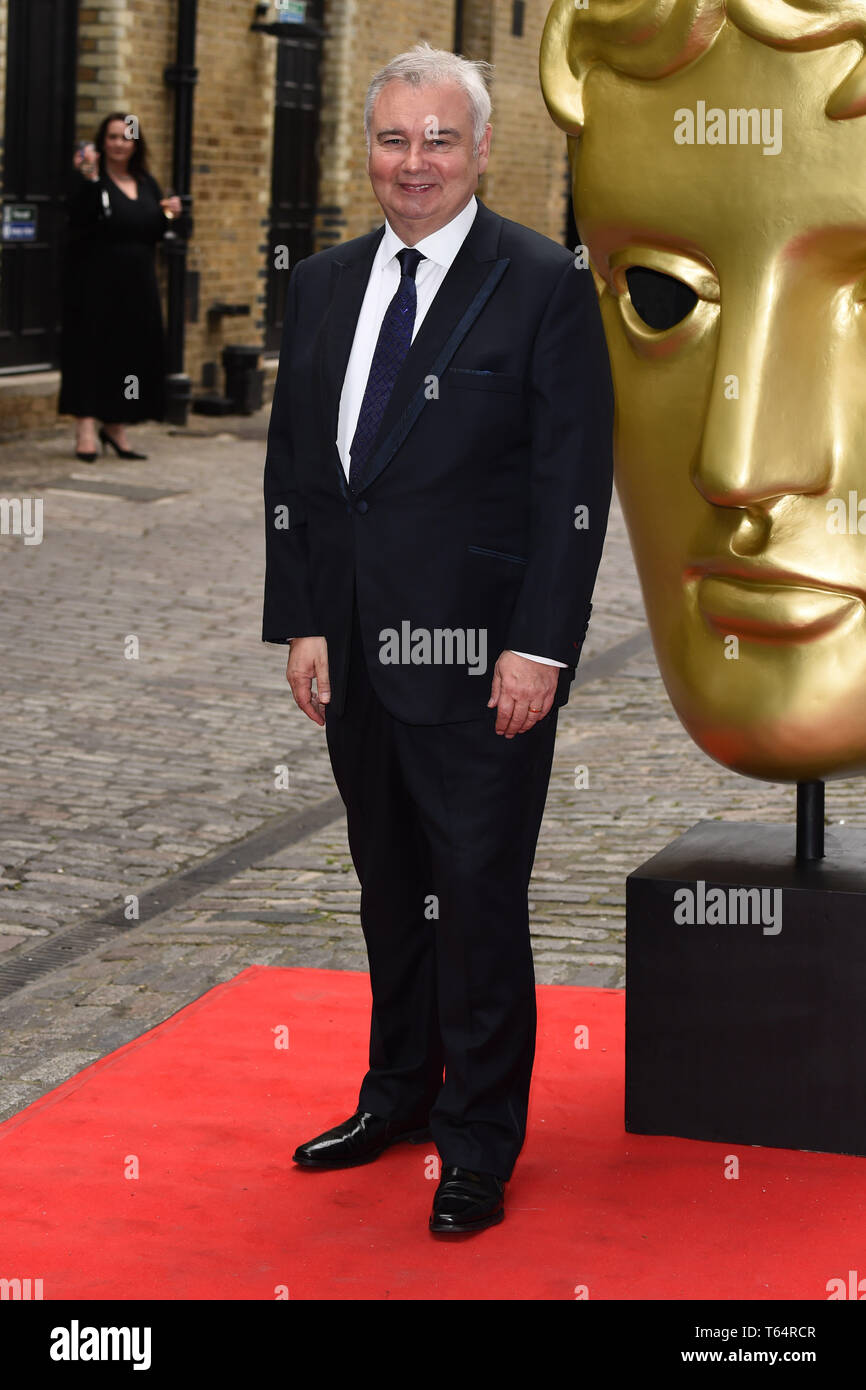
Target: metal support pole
x=810, y=820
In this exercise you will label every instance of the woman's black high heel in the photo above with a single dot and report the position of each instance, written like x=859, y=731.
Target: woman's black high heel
x=121, y=453
x=85, y=458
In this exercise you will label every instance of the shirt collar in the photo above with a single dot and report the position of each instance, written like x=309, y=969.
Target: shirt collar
x=440, y=247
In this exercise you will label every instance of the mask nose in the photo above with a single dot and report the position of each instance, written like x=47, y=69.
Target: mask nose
x=770, y=428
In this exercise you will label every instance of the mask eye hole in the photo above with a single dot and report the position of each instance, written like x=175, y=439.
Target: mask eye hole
x=662, y=301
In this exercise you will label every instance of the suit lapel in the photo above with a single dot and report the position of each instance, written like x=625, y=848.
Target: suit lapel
x=349, y=278
x=414, y=397
x=468, y=284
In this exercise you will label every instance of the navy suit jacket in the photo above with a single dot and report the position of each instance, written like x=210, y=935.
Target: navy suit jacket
x=468, y=516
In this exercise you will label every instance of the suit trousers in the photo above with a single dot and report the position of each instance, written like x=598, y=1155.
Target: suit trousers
x=443, y=821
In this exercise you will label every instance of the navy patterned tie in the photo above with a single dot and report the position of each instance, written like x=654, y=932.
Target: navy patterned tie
x=395, y=339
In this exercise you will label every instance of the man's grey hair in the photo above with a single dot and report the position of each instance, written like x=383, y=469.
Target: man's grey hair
x=423, y=66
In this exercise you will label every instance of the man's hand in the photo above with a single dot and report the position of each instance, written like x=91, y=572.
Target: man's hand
x=524, y=692
x=308, y=661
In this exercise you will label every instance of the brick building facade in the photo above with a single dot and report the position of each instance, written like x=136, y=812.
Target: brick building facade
x=278, y=156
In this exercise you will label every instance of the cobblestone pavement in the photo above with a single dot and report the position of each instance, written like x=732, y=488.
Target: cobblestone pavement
x=119, y=774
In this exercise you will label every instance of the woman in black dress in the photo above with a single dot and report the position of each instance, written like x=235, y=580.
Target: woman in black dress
x=112, y=356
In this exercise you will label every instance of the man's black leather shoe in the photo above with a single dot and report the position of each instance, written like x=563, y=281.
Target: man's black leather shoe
x=466, y=1201
x=358, y=1140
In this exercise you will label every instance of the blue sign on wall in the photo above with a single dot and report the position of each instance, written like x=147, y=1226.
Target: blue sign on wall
x=19, y=222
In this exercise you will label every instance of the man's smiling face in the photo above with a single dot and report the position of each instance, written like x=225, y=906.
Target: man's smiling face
x=741, y=418
x=421, y=165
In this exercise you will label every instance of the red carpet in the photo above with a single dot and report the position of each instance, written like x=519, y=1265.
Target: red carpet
x=212, y=1110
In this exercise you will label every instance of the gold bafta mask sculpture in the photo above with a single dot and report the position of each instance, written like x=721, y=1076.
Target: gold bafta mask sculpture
x=718, y=158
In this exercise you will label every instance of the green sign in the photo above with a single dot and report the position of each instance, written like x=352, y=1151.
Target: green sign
x=291, y=11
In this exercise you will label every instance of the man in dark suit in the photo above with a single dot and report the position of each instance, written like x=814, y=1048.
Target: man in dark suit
x=437, y=484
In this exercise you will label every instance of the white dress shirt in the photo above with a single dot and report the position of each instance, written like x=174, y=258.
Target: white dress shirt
x=439, y=250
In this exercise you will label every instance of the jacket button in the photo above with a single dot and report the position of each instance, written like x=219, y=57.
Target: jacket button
x=361, y=506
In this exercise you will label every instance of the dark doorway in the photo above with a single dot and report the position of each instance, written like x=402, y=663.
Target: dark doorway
x=295, y=172
x=37, y=150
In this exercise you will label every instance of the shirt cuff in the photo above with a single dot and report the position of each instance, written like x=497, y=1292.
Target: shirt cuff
x=543, y=660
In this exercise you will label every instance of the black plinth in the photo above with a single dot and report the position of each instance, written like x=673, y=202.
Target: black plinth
x=736, y=1031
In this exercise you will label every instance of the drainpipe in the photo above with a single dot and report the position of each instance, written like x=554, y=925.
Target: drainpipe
x=458, y=25
x=183, y=77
